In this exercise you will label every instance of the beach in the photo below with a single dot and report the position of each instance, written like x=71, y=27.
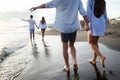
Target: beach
x=110, y=39
x=45, y=61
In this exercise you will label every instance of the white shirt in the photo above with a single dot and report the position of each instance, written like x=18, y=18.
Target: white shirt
x=32, y=23
x=66, y=20
x=42, y=26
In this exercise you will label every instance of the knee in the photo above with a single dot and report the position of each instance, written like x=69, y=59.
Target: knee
x=71, y=47
x=91, y=44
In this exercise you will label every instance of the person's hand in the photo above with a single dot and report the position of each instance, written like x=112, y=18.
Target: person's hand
x=33, y=8
x=87, y=28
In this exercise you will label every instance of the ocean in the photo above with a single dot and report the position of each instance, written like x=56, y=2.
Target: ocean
x=13, y=40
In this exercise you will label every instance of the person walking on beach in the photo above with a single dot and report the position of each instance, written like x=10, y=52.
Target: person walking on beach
x=32, y=24
x=96, y=12
x=67, y=23
x=43, y=26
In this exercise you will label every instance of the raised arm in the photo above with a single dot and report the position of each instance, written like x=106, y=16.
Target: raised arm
x=38, y=7
x=24, y=20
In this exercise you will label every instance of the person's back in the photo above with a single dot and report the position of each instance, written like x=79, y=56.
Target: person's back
x=67, y=23
x=95, y=20
x=42, y=23
x=31, y=23
x=67, y=14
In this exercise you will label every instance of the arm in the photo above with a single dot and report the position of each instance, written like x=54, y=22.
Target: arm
x=36, y=26
x=38, y=7
x=51, y=4
x=84, y=14
x=24, y=20
x=86, y=23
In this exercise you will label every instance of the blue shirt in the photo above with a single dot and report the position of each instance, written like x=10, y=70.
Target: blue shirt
x=97, y=25
x=66, y=20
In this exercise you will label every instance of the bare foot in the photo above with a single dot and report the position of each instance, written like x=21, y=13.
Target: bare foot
x=75, y=68
x=102, y=61
x=92, y=61
x=66, y=69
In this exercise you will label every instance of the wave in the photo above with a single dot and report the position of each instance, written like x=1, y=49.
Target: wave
x=6, y=51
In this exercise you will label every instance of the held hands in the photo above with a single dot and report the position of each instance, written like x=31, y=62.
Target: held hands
x=87, y=27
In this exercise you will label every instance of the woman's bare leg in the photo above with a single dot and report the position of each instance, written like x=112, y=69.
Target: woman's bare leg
x=93, y=41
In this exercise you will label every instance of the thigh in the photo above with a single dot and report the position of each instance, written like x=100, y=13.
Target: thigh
x=64, y=37
x=42, y=30
x=72, y=37
x=93, y=39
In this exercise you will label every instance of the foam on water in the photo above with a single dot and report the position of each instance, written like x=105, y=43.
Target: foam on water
x=12, y=39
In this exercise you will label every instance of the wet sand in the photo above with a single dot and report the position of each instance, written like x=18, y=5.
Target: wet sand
x=111, y=38
x=47, y=62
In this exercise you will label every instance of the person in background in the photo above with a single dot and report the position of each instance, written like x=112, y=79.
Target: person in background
x=67, y=23
x=42, y=26
x=32, y=24
x=97, y=16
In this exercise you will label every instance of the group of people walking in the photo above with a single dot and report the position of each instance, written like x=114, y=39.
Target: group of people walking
x=67, y=23
x=32, y=25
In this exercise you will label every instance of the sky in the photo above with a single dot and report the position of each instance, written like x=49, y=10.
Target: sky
x=11, y=11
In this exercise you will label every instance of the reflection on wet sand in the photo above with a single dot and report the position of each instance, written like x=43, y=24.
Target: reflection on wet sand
x=46, y=48
x=35, y=50
x=33, y=43
x=72, y=77
x=99, y=76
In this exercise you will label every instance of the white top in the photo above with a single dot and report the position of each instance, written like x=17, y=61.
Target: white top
x=66, y=20
x=42, y=26
x=32, y=23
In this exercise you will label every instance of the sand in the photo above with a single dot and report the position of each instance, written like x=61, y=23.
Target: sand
x=46, y=63
x=111, y=38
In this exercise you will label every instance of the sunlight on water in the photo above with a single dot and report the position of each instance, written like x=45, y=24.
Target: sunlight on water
x=12, y=40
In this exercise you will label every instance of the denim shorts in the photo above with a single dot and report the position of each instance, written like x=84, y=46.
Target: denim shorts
x=71, y=37
x=32, y=31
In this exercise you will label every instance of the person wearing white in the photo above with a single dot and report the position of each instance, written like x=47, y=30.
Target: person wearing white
x=42, y=26
x=32, y=24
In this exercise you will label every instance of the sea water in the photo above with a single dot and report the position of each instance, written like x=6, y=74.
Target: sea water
x=13, y=43
x=11, y=39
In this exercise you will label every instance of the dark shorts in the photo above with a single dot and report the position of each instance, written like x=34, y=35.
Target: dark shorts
x=71, y=37
x=42, y=29
x=32, y=31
